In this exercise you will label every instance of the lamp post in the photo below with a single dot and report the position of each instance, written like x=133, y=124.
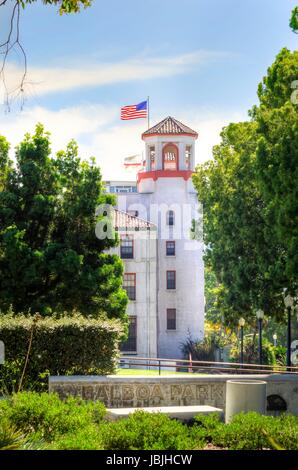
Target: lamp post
x=241, y=324
x=274, y=340
x=289, y=302
x=260, y=317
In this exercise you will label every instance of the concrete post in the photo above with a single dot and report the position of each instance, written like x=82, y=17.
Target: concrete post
x=245, y=395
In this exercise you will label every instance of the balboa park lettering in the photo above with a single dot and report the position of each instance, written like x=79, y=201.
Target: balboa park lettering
x=138, y=394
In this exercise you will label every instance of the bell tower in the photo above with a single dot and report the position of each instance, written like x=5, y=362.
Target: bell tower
x=169, y=300
x=170, y=153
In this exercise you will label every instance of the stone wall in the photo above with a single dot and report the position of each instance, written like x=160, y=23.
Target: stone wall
x=132, y=391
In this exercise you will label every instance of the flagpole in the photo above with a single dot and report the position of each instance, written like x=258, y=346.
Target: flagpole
x=148, y=111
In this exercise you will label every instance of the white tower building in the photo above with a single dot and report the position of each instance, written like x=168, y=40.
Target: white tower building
x=166, y=199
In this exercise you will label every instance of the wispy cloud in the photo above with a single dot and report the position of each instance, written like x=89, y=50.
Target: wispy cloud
x=46, y=80
x=99, y=132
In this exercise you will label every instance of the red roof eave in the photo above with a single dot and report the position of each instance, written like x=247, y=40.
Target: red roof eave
x=178, y=134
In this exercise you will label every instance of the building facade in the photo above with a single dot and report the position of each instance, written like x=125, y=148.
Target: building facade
x=157, y=217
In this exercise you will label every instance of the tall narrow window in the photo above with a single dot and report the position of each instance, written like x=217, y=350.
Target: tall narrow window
x=170, y=157
x=170, y=218
x=171, y=279
x=152, y=158
x=129, y=284
x=170, y=248
x=187, y=157
x=171, y=319
x=126, y=247
x=130, y=345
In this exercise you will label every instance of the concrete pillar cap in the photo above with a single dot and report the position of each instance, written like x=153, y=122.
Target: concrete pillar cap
x=247, y=382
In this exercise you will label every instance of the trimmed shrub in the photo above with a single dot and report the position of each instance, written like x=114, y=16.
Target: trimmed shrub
x=204, y=426
x=251, y=431
x=47, y=417
x=60, y=346
x=87, y=438
x=148, y=431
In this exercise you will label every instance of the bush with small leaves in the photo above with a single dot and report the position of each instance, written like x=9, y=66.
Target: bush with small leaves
x=87, y=438
x=148, y=431
x=251, y=431
x=46, y=416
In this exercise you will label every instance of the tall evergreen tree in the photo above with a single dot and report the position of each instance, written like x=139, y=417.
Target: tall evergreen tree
x=250, y=198
x=234, y=225
x=50, y=258
x=277, y=160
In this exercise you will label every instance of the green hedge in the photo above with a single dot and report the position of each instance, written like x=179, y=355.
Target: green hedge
x=149, y=431
x=60, y=346
x=30, y=420
x=250, y=431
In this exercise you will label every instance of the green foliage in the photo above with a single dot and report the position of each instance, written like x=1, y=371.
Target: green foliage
x=29, y=420
x=251, y=431
x=216, y=337
x=204, y=350
x=212, y=294
x=46, y=417
x=277, y=149
x=5, y=163
x=10, y=437
x=87, y=438
x=251, y=351
x=249, y=195
x=147, y=431
x=60, y=346
x=50, y=257
x=65, y=6
x=237, y=252
x=294, y=20
x=280, y=355
x=204, y=426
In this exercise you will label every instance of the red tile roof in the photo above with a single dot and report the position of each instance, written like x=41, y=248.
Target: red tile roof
x=124, y=221
x=170, y=126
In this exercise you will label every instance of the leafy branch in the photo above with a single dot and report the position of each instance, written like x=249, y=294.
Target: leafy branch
x=294, y=20
x=12, y=41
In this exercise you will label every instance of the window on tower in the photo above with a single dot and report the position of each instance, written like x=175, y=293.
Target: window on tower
x=170, y=246
x=171, y=319
x=170, y=157
x=171, y=279
x=129, y=284
x=152, y=158
x=126, y=247
x=170, y=218
x=187, y=157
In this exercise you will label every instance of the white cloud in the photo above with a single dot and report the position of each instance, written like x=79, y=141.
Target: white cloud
x=99, y=134
x=209, y=124
x=43, y=80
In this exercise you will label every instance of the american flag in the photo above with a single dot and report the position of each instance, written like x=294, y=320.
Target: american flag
x=134, y=111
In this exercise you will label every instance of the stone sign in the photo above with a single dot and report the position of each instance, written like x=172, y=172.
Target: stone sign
x=131, y=391
x=144, y=394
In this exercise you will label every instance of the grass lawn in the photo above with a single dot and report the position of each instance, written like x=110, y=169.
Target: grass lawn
x=149, y=372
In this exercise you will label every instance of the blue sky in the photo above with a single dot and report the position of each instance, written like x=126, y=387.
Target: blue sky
x=198, y=60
